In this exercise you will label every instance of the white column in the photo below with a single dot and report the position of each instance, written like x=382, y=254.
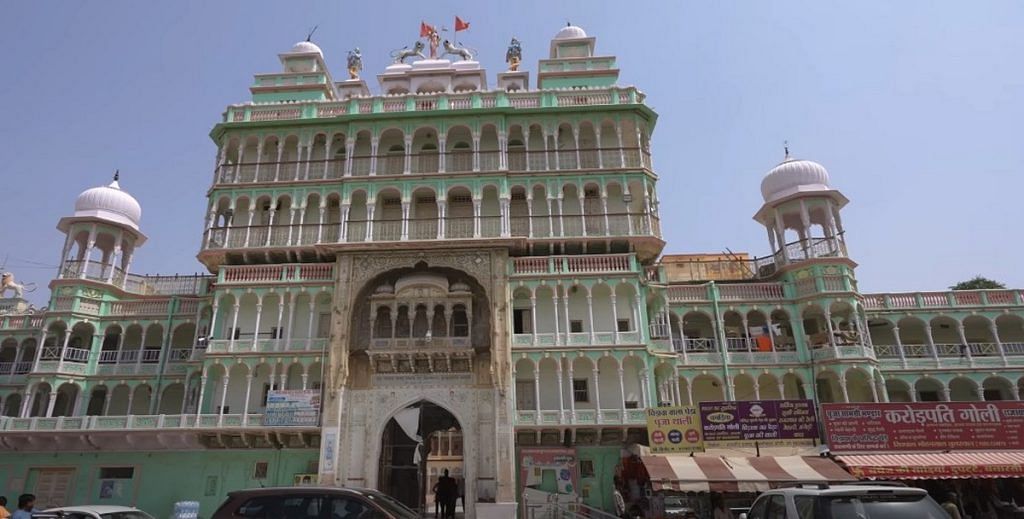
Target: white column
x=309, y=333
x=843, y=389
x=51, y=400
x=107, y=399
x=622, y=392
x=277, y=168
x=561, y=389
x=645, y=396
x=597, y=393
x=590, y=313
x=256, y=330
x=407, y=166
x=964, y=345
x=289, y=330
x=343, y=225
x=572, y=393
x=199, y=400
x=223, y=394
x=675, y=385
x=234, y=326
x=320, y=223
x=241, y=158
x=350, y=149
x=994, y=330
x=533, y=317
x=259, y=160
x=280, y=316
x=373, y=155
x=63, y=349
x=831, y=332
x=536, y=390
x=615, y=319
x=248, y=389
x=305, y=381
x=476, y=217
x=554, y=300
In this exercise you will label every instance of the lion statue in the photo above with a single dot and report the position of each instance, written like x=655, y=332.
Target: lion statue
x=461, y=52
x=8, y=283
x=406, y=52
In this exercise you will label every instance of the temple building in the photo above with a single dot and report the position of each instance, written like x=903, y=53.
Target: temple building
x=459, y=267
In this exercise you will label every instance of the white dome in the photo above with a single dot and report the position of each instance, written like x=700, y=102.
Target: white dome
x=570, y=32
x=794, y=176
x=306, y=47
x=109, y=203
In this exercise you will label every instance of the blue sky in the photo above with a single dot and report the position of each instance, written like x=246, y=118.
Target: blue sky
x=915, y=107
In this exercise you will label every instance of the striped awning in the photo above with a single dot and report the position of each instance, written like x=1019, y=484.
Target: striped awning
x=950, y=465
x=686, y=473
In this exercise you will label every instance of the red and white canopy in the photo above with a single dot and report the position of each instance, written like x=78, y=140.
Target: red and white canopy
x=736, y=474
x=949, y=465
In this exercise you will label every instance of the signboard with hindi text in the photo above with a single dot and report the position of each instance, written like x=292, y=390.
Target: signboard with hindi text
x=924, y=426
x=760, y=422
x=674, y=429
x=292, y=408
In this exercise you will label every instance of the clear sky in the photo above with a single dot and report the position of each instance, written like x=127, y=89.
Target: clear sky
x=915, y=107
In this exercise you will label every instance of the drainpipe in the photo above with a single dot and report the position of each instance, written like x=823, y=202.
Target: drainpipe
x=165, y=351
x=720, y=339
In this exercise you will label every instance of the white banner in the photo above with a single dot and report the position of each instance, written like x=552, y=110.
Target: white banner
x=292, y=408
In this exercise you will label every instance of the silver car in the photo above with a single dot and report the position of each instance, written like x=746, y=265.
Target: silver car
x=845, y=502
x=93, y=512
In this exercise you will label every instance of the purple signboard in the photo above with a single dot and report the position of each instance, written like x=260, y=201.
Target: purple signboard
x=765, y=422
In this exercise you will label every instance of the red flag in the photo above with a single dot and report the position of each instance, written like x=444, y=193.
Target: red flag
x=460, y=25
x=426, y=30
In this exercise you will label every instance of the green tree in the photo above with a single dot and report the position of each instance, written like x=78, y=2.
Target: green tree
x=977, y=283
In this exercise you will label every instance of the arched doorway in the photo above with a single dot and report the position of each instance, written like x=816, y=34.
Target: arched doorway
x=418, y=444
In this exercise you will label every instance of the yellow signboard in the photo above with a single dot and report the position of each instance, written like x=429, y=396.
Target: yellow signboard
x=674, y=429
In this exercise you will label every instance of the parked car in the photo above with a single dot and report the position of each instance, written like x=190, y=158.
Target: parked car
x=312, y=503
x=845, y=502
x=92, y=512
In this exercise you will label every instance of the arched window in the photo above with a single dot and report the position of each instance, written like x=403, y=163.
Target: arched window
x=460, y=322
x=382, y=326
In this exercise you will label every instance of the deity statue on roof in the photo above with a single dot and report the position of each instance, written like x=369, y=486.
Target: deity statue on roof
x=433, y=37
x=514, y=55
x=355, y=63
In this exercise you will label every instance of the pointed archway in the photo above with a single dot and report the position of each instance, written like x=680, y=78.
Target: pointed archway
x=412, y=444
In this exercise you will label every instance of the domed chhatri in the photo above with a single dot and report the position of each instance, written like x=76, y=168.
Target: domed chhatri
x=570, y=32
x=304, y=47
x=793, y=176
x=110, y=203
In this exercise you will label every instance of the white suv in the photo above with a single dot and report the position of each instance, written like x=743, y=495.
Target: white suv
x=877, y=501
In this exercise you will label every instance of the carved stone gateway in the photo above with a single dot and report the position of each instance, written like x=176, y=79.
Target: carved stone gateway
x=358, y=404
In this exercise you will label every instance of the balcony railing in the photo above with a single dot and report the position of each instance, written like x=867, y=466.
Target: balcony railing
x=599, y=338
x=433, y=102
x=135, y=283
x=585, y=264
x=21, y=322
x=245, y=344
x=261, y=274
x=131, y=423
x=357, y=231
x=581, y=417
x=429, y=163
x=420, y=343
x=950, y=350
x=952, y=298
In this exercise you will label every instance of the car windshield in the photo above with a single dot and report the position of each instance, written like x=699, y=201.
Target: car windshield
x=392, y=505
x=874, y=506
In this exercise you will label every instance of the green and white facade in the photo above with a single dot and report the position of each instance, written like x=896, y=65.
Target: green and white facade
x=492, y=250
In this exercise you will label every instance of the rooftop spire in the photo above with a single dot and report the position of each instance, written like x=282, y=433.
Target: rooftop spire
x=117, y=174
x=785, y=146
x=309, y=36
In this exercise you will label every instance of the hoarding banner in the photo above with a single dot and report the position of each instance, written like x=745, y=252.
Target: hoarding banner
x=921, y=426
x=764, y=422
x=674, y=429
x=292, y=408
x=548, y=475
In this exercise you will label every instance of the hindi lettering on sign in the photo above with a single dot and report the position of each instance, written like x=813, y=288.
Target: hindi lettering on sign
x=922, y=426
x=674, y=429
x=762, y=422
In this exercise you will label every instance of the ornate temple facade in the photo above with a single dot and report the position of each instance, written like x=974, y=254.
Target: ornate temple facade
x=488, y=256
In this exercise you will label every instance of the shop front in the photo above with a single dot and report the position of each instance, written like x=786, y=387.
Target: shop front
x=964, y=452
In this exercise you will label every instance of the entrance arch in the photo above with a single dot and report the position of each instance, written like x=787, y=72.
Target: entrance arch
x=416, y=445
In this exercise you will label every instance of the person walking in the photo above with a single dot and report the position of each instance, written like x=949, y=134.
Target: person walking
x=4, y=513
x=26, y=506
x=950, y=506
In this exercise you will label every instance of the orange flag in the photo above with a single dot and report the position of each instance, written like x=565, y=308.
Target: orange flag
x=460, y=25
x=425, y=30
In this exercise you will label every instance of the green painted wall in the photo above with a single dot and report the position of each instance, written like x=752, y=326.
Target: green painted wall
x=601, y=485
x=160, y=478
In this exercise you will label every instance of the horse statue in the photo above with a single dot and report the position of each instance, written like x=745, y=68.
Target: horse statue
x=514, y=55
x=462, y=52
x=406, y=52
x=355, y=63
x=7, y=282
